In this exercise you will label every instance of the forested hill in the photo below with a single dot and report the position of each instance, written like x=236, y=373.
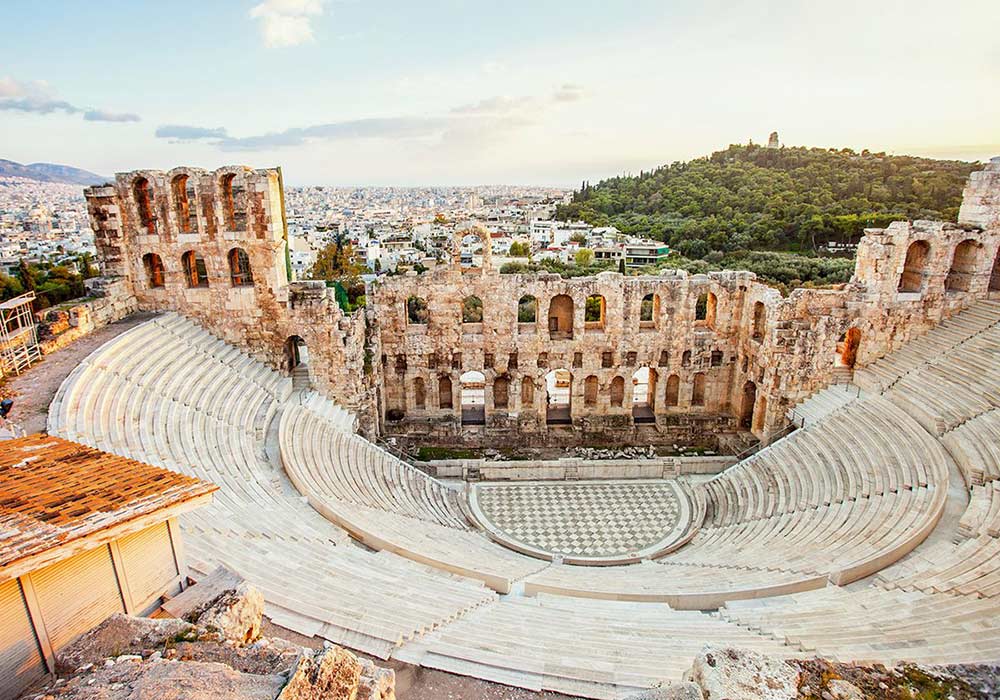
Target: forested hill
x=790, y=198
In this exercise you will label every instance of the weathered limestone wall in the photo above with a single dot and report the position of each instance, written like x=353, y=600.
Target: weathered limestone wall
x=62, y=325
x=209, y=215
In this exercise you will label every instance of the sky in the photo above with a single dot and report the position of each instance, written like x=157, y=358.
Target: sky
x=456, y=92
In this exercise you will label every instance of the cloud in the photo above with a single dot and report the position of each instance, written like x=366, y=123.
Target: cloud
x=103, y=115
x=38, y=97
x=568, y=92
x=286, y=22
x=189, y=133
x=481, y=123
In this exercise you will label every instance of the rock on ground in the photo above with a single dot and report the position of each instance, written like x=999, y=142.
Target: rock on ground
x=676, y=691
x=728, y=673
x=236, y=614
x=121, y=634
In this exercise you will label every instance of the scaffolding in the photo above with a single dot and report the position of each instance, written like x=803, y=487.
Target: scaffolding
x=18, y=335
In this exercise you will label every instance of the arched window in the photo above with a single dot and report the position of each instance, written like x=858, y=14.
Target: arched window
x=416, y=311
x=617, y=392
x=673, y=390
x=154, y=270
x=644, y=395
x=473, y=397
x=759, y=320
x=559, y=396
x=195, y=271
x=143, y=194
x=527, y=309
x=686, y=359
x=649, y=311
x=501, y=392
x=561, y=317
x=419, y=393
x=472, y=310
x=234, y=214
x=527, y=393
x=747, y=406
x=187, y=218
x=594, y=312
x=701, y=307
x=914, y=267
x=239, y=268
x=590, y=391
x=698, y=390
x=963, y=266
x=444, y=392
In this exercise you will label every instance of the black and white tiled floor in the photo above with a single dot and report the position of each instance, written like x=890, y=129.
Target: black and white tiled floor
x=591, y=519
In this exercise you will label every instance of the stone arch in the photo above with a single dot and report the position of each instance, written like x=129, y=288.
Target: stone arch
x=501, y=392
x=559, y=397
x=295, y=352
x=672, y=395
x=234, y=215
x=195, y=271
x=644, y=395
x=142, y=192
x=185, y=203
x=705, y=308
x=747, y=405
x=698, y=389
x=759, y=320
x=240, y=274
x=444, y=392
x=473, y=397
x=561, y=317
x=416, y=311
x=419, y=393
x=484, y=242
x=153, y=265
x=590, y=389
x=964, y=262
x=914, y=267
x=527, y=309
x=686, y=358
x=595, y=312
x=649, y=311
x=617, y=391
x=847, y=347
x=472, y=309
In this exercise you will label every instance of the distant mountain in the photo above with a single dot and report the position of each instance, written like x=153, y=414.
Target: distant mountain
x=50, y=172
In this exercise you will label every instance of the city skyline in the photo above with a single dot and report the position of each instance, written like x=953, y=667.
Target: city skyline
x=454, y=93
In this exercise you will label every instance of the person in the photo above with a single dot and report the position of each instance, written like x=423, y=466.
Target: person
x=5, y=407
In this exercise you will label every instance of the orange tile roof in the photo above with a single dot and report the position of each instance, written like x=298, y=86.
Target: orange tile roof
x=53, y=491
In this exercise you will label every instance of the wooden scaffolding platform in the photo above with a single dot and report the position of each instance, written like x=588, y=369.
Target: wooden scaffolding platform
x=18, y=335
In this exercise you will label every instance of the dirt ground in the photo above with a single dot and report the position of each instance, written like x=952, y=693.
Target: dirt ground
x=417, y=683
x=34, y=390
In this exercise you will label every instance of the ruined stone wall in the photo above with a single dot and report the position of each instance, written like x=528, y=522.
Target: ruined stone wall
x=208, y=215
x=759, y=353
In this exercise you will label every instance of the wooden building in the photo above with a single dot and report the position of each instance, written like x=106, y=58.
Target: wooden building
x=83, y=534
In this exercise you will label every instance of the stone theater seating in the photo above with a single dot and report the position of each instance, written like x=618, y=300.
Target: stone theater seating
x=782, y=533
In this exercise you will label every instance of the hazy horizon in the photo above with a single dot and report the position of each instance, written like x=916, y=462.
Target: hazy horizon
x=451, y=93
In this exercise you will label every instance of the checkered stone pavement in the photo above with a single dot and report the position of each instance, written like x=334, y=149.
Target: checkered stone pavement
x=585, y=519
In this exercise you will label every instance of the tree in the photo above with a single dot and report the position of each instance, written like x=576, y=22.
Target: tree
x=337, y=263
x=583, y=257
x=580, y=238
x=621, y=266
x=10, y=287
x=520, y=249
x=28, y=275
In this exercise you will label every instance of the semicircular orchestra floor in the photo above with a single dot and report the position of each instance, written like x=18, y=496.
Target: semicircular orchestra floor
x=596, y=522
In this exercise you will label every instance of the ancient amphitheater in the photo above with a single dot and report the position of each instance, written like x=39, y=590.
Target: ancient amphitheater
x=871, y=531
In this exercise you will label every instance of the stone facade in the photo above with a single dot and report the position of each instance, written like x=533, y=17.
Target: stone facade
x=723, y=351
x=212, y=245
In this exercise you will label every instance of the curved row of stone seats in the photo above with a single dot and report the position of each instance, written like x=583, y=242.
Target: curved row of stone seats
x=159, y=395
x=982, y=517
x=338, y=417
x=535, y=643
x=944, y=338
x=867, y=448
x=975, y=445
x=876, y=625
x=822, y=403
x=682, y=586
x=341, y=465
x=962, y=385
x=388, y=504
